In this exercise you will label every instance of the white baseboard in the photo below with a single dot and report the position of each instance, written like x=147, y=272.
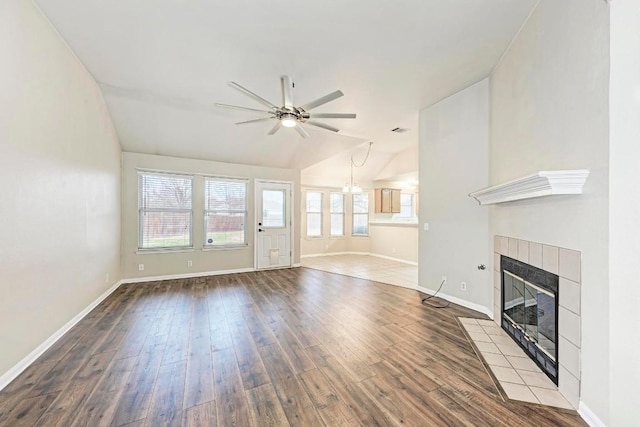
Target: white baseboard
x=404, y=261
x=297, y=265
x=473, y=306
x=588, y=416
x=186, y=275
x=19, y=367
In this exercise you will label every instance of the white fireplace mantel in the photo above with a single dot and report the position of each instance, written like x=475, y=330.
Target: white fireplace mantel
x=543, y=183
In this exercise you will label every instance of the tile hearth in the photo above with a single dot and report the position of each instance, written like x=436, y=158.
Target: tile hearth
x=520, y=378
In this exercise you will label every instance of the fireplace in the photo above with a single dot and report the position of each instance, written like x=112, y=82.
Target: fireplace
x=530, y=312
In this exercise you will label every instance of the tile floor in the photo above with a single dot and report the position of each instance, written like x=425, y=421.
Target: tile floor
x=367, y=267
x=519, y=377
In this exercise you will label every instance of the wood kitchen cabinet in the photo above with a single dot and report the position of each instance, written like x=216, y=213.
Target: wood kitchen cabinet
x=387, y=200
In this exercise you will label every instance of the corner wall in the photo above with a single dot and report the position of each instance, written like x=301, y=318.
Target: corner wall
x=549, y=111
x=454, y=147
x=175, y=263
x=60, y=185
x=624, y=211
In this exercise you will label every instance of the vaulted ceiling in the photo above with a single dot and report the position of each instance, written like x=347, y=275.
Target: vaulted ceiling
x=163, y=64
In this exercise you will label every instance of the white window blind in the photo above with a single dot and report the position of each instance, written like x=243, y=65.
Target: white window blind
x=337, y=214
x=225, y=212
x=314, y=214
x=165, y=210
x=360, y=226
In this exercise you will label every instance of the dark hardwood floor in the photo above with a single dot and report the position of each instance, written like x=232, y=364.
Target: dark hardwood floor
x=288, y=347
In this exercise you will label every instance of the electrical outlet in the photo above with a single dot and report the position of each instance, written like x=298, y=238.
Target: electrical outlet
x=189, y=263
x=106, y=278
x=393, y=250
x=463, y=286
x=444, y=280
x=140, y=267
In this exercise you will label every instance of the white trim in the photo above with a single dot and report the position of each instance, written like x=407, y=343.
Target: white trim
x=296, y=265
x=163, y=251
x=539, y=184
x=588, y=416
x=473, y=306
x=23, y=364
x=399, y=223
x=186, y=275
x=404, y=261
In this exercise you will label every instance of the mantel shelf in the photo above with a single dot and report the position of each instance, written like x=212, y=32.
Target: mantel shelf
x=540, y=184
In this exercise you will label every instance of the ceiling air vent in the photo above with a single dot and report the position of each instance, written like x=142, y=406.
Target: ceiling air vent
x=399, y=130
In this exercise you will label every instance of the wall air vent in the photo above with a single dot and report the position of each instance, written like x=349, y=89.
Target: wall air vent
x=399, y=130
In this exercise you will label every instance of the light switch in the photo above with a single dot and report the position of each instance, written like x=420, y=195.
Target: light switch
x=426, y=226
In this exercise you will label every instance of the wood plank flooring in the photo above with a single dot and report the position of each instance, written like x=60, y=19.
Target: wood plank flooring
x=295, y=347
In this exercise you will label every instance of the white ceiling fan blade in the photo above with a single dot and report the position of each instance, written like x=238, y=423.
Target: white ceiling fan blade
x=322, y=125
x=323, y=100
x=252, y=95
x=255, y=120
x=332, y=116
x=301, y=131
x=276, y=128
x=287, y=91
x=237, y=107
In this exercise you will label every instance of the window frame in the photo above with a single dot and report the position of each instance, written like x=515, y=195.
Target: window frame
x=332, y=213
x=142, y=210
x=354, y=214
x=206, y=212
x=308, y=212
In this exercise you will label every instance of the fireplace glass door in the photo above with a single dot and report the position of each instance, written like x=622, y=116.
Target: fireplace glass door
x=532, y=310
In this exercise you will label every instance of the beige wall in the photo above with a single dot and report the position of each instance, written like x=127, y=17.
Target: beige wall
x=549, y=98
x=454, y=147
x=624, y=211
x=164, y=264
x=60, y=186
x=398, y=241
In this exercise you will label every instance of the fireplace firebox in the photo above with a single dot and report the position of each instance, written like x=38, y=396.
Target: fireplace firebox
x=530, y=312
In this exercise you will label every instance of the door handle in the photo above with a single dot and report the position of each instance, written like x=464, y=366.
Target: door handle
x=260, y=230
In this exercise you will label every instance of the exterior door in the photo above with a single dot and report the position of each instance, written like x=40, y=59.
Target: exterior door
x=273, y=224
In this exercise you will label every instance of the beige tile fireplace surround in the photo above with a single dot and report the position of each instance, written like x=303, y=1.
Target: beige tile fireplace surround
x=567, y=265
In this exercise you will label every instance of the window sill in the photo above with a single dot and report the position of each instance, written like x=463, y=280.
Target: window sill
x=162, y=251
x=224, y=248
x=397, y=223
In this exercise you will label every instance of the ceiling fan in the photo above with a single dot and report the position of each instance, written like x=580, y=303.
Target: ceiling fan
x=289, y=115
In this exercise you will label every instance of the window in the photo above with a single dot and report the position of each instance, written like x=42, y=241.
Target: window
x=273, y=208
x=406, y=207
x=337, y=214
x=314, y=214
x=164, y=210
x=360, y=225
x=225, y=212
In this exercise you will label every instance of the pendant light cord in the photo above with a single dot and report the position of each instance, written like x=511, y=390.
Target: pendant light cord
x=365, y=159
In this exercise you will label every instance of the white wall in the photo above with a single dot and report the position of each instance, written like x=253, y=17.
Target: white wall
x=454, y=138
x=60, y=185
x=549, y=98
x=163, y=264
x=624, y=212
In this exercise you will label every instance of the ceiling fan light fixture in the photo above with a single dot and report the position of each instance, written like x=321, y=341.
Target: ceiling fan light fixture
x=288, y=122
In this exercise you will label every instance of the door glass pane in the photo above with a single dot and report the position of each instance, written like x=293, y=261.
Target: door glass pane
x=273, y=208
